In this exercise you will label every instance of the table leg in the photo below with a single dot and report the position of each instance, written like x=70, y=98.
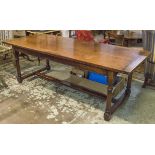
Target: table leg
x=48, y=64
x=17, y=64
x=108, y=113
x=128, y=88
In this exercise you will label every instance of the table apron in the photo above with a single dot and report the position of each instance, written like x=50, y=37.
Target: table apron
x=79, y=65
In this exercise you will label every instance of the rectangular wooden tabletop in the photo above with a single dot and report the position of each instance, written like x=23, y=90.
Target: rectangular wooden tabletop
x=110, y=57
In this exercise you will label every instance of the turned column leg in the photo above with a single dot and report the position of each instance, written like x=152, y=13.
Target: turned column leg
x=107, y=114
x=48, y=64
x=17, y=64
x=128, y=87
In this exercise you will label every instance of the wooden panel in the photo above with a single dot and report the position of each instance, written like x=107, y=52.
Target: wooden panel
x=103, y=56
x=62, y=60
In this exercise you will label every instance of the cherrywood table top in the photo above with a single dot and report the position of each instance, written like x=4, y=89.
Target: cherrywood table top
x=110, y=57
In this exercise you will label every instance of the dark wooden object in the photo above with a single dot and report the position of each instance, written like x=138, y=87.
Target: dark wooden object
x=132, y=36
x=101, y=58
x=115, y=39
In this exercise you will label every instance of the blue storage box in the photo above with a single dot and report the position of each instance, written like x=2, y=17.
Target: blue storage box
x=98, y=78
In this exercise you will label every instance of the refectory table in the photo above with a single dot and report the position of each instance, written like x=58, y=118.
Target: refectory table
x=109, y=60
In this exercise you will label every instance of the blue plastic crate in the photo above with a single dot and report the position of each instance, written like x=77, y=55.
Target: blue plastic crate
x=98, y=78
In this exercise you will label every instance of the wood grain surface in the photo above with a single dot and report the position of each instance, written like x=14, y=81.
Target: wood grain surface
x=110, y=57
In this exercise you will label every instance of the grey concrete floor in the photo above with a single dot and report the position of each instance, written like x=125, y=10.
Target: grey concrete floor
x=40, y=101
